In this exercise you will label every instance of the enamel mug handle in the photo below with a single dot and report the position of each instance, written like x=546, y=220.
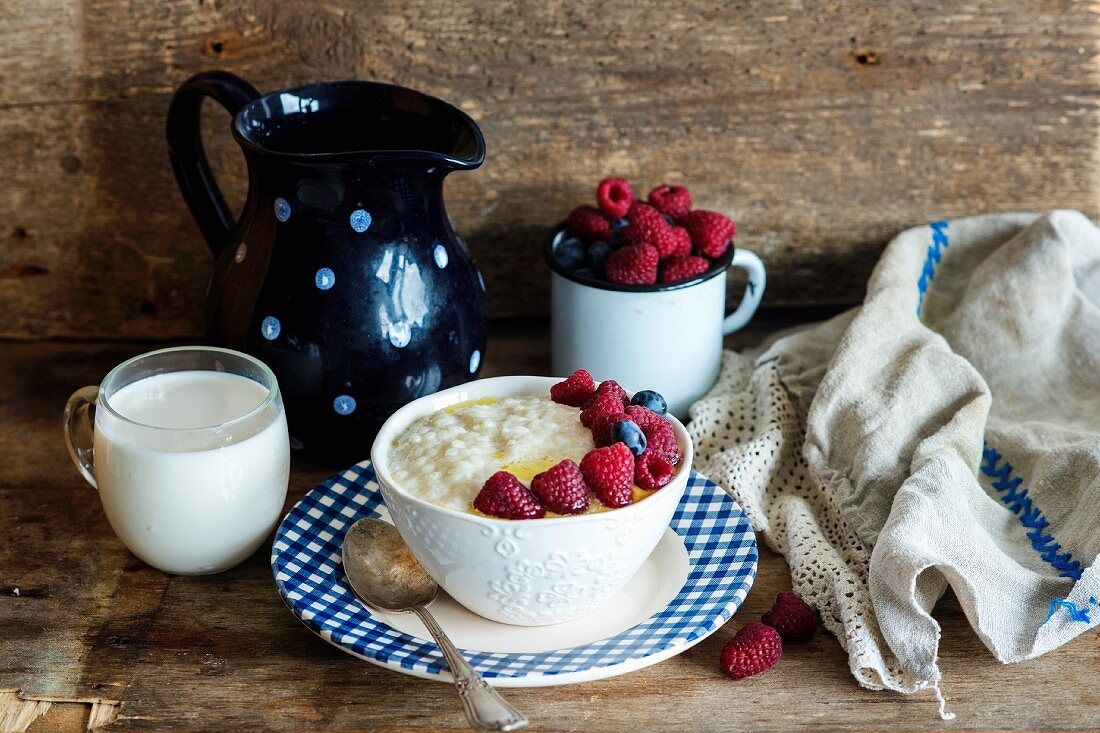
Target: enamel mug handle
x=79, y=431
x=754, y=291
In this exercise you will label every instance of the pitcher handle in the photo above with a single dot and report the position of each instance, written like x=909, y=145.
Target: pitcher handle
x=78, y=431
x=185, y=151
x=754, y=290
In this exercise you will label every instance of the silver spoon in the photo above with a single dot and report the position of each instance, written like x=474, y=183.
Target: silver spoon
x=385, y=575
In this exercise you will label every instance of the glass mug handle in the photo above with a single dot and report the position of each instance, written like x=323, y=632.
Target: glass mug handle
x=754, y=291
x=79, y=431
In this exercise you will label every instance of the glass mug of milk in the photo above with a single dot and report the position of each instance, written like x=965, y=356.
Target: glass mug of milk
x=190, y=453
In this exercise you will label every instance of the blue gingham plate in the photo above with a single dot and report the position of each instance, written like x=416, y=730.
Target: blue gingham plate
x=691, y=585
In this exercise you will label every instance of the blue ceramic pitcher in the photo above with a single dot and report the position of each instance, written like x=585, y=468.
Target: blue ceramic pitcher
x=344, y=273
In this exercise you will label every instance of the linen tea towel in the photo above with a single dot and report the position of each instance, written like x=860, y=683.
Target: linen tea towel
x=946, y=432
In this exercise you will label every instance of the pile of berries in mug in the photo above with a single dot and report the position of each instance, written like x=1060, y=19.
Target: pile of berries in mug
x=630, y=242
x=635, y=446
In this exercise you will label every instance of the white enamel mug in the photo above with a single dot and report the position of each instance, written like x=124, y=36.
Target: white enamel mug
x=662, y=337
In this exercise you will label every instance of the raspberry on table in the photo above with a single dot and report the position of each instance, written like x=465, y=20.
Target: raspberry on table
x=754, y=649
x=577, y=388
x=561, y=489
x=710, y=231
x=614, y=197
x=652, y=471
x=792, y=617
x=609, y=472
x=601, y=404
x=672, y=200
x=678, y=269
x=671, y=242
x=504, y=496
x=588, y=223
x=659, y=434
x=633, y=265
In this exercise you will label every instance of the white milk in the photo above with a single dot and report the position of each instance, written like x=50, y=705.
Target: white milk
x=186, y=492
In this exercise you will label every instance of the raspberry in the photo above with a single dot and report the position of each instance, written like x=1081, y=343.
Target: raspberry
x=754, y=649
x=602, y=425
x=610, y=386
x=575, y=390
x=588, y=223
x=677, y=269
x=671, y=242
x=672, y=200
x=609, y=472
x=614, y=197
x=792, y=617
x=504, y=496
x=643, y=224
x=634, y=265
x=601, y=404
x=652, y=471
x=659, y=433
x=561, y=489
x=710, y=231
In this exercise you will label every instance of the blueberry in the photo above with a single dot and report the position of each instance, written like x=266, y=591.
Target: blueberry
x=616, y=238
x=584, y=272
x=651, y=400
x=669, y=219
x=597, y=256
x=628, y=432
x=570, y=253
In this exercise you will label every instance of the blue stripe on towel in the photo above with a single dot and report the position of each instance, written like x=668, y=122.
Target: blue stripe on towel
x=1014, y=495
x=931, y=259
x=1076, y=613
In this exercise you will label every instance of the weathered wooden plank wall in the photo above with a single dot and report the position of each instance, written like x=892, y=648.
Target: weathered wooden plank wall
x=823, y=127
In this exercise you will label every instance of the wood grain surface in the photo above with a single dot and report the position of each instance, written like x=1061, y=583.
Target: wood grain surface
x=222, y=652
x=823, y=127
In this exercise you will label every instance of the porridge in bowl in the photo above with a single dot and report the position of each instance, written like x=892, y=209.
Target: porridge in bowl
x=584, y=448
x=446, y=457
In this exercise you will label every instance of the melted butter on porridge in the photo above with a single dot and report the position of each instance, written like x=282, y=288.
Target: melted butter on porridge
x=447, y=456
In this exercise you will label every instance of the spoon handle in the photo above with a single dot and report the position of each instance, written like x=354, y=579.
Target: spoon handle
x=484, y=707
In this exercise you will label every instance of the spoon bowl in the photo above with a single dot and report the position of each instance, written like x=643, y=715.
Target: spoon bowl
x=384, y=574
x=382, y=570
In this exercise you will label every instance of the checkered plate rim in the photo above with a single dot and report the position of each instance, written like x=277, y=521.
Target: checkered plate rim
x=305, y=559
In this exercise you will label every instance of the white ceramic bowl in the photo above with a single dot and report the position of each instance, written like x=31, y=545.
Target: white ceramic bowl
x=528, y=572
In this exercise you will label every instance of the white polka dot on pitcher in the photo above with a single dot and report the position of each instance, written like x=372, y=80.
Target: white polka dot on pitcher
x=441, y=258
x=360, y=220
x=325, y=278
x=400, y=334
x=344, y=404
x=270, y=328
x=475, y=361
x=282, y=209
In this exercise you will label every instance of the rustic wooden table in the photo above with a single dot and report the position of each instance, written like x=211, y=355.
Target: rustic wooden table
x=92, y=633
